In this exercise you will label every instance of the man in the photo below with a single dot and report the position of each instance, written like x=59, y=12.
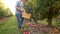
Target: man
x=19, y=7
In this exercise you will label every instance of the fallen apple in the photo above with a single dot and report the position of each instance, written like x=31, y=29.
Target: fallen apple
x=45, y=30
x=31, y=25
x=26, y=33
x=54, y=30
x=39, y=27
x=24, y=30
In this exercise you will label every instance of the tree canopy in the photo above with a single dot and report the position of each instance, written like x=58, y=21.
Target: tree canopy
x=44, y=9
x=4, y=10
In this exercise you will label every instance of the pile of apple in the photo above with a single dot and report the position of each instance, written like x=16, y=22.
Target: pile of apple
x=25, y=31
x=41, y=28
x=38, y=27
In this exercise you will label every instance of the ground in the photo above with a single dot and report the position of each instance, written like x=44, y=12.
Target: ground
x=9, y=25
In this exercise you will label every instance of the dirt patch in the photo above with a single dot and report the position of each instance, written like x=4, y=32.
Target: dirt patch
x=3, y=19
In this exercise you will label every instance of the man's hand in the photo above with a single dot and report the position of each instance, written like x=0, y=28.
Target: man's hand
x=17, y=8
x=21, y=9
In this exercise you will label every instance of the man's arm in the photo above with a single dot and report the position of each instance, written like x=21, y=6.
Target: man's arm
x=18, y=8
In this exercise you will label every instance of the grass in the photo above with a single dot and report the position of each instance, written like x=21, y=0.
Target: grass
x=9, y=26
x=53, y=21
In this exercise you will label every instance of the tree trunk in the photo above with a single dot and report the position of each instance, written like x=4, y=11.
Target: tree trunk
x=50, y=18
x=50, y=21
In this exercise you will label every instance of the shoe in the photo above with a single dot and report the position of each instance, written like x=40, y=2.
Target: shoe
x=18, y=28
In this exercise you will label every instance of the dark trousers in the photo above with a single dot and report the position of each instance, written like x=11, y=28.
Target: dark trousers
x=20, y=20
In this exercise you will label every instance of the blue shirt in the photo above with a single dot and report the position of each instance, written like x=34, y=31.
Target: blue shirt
x=20, y=5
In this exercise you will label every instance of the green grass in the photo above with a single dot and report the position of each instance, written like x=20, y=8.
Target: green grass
x=53, y=21
x=9, y=26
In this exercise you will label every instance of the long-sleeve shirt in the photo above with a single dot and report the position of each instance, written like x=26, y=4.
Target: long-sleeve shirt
x=20, y=5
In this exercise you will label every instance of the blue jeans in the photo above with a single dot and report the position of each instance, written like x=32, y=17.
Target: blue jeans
x=20, y=20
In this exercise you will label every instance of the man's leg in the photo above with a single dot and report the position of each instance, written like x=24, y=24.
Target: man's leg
x=19, y=18
x=22, y=19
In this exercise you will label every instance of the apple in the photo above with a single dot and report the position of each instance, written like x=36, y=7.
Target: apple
x=31, y=25
x=54, y=30
x=45, y=30
x=24, y=30
x=26, y=33
x=39, y=27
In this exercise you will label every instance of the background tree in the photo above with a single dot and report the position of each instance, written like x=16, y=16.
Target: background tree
x=44, y=9
x=4, y=11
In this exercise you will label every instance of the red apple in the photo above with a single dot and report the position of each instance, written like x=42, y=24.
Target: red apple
x=39, y=27
x=54, y=30
x=24, y=30
x=26, y=33
x=45, y=30
x=31, y=25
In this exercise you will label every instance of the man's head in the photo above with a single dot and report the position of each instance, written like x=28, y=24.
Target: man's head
x=22, y=0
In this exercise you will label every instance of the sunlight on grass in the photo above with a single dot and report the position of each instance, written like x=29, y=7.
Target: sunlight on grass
x=9, y=27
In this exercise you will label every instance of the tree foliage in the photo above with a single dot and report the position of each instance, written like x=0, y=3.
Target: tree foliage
x=3, y=10
x=43, y=9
